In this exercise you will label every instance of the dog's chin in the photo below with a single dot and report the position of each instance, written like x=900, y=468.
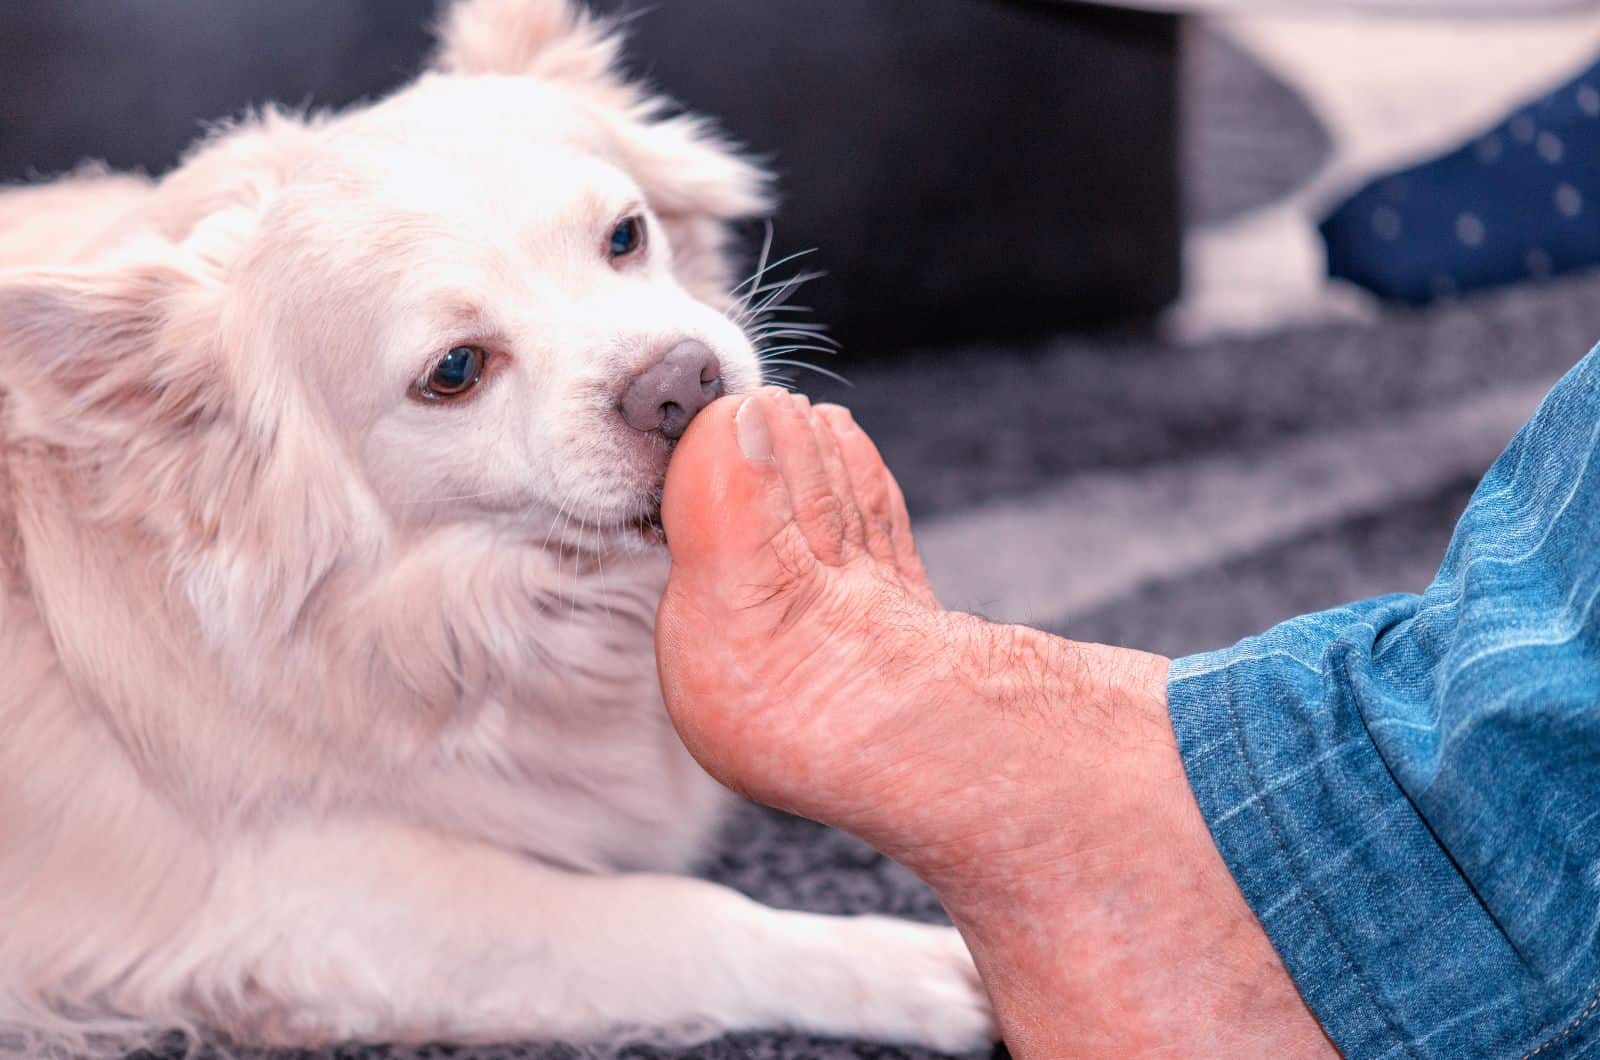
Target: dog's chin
x=607, y=534
x=646, y=531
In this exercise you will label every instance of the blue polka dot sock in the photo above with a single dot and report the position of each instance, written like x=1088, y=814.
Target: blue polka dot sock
x=1521, y=201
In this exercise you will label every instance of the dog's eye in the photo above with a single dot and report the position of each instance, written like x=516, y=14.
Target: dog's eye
x=627, y=237
x=455, y=374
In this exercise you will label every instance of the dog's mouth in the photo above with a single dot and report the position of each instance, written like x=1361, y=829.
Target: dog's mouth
x=647, y=527
x=642, y=531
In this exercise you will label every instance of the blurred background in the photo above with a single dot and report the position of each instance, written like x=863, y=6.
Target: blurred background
x=1173, y=322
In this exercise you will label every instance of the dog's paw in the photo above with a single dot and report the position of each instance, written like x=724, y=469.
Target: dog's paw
x=895, y=981
x=930, y=987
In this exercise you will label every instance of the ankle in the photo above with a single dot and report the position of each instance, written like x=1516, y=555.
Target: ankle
x=1099, y=909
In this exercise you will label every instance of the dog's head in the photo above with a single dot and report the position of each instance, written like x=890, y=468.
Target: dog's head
x=498, y=294
x=489, y=301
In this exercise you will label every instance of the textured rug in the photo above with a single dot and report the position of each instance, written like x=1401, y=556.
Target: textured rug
x=1169, y=498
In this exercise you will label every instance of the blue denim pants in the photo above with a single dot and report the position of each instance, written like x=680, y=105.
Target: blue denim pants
x=1407, y=789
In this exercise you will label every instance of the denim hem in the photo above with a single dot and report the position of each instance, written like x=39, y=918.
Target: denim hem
x=1272, y=811
x=1388, y=945
x=1403, y=788
x=1578, y=1033
x=1242, y=814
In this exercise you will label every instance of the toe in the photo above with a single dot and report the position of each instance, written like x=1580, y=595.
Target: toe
x=819, y=511
x=905, y=546
x=868, y=479
x=883, y=505
x=723, y=509
x=852, y=516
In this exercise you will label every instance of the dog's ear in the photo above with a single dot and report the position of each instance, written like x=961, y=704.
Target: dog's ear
x=106, y=357
x=697, y=184
x=127, y=371
x=556, y=40
x=694, y=180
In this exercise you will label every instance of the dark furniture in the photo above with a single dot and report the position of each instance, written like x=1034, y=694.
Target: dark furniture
x=966, y=168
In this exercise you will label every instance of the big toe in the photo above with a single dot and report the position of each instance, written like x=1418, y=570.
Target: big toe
x=724, y=502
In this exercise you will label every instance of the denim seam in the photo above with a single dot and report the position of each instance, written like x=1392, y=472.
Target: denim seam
x=1273, y=826
x=1557, y=1039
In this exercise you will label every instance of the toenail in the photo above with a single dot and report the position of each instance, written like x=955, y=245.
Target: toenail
x=755, y=441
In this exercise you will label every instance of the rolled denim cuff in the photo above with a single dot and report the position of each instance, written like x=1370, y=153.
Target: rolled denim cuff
x=1384, y=938
x=1407, y=789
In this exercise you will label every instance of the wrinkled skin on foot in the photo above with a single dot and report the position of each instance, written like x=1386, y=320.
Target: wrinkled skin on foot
x=811, y=581
x=1033, y=782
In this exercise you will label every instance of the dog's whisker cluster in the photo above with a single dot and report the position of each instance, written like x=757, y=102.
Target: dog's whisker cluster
x=759, y=302
x=763, y=266
x=777, y=291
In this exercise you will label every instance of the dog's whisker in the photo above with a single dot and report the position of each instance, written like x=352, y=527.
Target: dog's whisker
x=790, y=308
x=797, y=324
x=791, y=333
x=795, y=347
x=600, y=568
x=577, y=563
x=462, y=497
x=552, y=530
x=768, y=321
x=561, y=583
x=810, y=368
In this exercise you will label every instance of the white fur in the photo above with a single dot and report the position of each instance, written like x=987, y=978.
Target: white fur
x=329, y=713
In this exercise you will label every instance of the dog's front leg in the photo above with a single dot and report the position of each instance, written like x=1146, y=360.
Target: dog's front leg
x=383, y=932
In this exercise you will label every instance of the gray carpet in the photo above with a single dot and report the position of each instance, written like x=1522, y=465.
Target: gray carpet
x=970, y=429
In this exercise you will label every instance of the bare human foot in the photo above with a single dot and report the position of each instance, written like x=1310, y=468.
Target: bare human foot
x=1034, y=783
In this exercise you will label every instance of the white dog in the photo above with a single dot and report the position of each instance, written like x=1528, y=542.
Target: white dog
x=328, y=707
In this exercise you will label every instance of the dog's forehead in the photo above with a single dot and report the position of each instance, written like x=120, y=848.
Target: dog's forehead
x=403, y=204
x=509, y=153
x=459, y=182
x=430, y=192
x=498, y=112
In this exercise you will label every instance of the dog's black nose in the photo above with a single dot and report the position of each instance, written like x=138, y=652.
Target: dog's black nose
x=665, y=396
